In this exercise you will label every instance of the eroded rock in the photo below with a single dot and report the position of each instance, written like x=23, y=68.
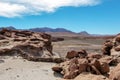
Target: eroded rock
x=112, y=47
x=72, y=54
x=97, y=66
x=107, y=47
x=30, y=45
x=80, y=54
x=75, y=66
x=115, y=74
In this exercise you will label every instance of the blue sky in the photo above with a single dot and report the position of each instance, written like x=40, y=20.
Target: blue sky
x=93, y=16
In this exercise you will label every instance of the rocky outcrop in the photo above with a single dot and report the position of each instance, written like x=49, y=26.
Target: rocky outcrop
x=115, y=74
x=30, y=45
x=97, y=66
x=108, y=45
x=112, y=47
x=76, y=65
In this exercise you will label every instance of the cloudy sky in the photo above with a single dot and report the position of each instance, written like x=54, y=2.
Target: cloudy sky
x=94, y=16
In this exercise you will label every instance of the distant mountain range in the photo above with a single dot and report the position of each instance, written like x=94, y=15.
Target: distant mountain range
x=46, y=29
x=10, y=27
x=56, y=31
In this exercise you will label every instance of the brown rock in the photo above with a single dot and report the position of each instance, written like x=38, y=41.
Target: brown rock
x=88, y=76
x=73, y=72
x=115, y=74
x=117, y=39
x=72, y=54
x=109, y=60
x=57, y=68
x=117, y=48
x=107, y=47
x=72, y=69
x=65, y=66
x=30, y=45
x=95, y=65
x=82, y=53
x=75, y=66
x=104, y=68
x=83, y=65
x=94, y=55
x=112, y=47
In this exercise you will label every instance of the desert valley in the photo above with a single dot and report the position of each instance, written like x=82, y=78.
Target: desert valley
x=59, y=39
x=28, y=55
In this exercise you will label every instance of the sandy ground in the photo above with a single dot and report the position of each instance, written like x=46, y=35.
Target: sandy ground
x=20, y=69
x=64, y=46
x=14, y=68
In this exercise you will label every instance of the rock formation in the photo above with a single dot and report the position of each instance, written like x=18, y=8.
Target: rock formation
x=112, y=47
x=75, y=65
x=30, y=45
x=115, y=73
x=97, y=66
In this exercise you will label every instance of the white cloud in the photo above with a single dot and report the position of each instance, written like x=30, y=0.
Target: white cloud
x=15, y=8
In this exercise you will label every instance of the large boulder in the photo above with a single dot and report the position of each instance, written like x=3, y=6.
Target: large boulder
x=30, y=45
x=72, y=54
x=80, y=54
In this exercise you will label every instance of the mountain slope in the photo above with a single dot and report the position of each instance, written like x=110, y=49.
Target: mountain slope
x=84, y=33
x=10, y=27
x=46, y=29
x=57, y=31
